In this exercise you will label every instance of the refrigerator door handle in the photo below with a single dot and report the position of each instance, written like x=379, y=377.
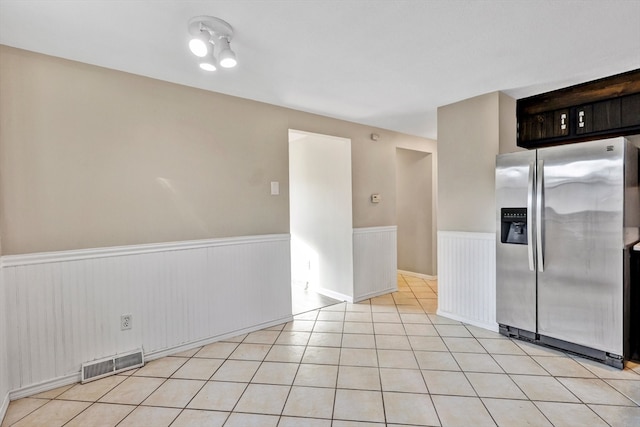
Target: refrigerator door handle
x=539, y=219
x=529, y=215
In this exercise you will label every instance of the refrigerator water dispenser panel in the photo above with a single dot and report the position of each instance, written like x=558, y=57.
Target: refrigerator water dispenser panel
x=513, y=226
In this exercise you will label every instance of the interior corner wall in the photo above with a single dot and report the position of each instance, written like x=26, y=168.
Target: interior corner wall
x=470, y=135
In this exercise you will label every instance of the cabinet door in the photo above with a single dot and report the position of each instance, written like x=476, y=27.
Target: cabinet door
x=545, y=125
x=630, y=110
x=533, y=127
x=584, y=119
x=606, y=115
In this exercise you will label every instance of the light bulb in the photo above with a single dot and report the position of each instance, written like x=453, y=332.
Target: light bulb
x=228, y=59
x=226, y=55
x=209, y=63
x=199, y=45
x=208, y=66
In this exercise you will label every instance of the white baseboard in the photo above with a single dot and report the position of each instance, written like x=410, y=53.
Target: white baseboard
x=200, y=343
x=54, y=383
x=418, y=275
x=491, y=327
x=4, y=407
x=76, y=377
x=375, y=294
x=333, y=294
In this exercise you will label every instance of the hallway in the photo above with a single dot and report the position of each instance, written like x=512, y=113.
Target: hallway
x=386, y=361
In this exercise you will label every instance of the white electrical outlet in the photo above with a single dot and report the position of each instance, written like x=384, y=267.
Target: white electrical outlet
x=126, y=321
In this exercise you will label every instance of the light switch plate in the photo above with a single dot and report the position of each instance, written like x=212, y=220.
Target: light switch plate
x=275, y=188
x=375, y=198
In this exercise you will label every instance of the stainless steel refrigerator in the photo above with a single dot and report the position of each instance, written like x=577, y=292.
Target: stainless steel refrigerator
x=566, y=219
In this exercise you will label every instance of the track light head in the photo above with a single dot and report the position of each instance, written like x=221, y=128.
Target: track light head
x=200, y=44
x=226, y=55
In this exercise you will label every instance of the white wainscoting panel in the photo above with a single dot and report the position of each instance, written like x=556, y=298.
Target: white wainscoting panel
x=375, y=261
x=64, y=308
x=467, y=277
x=5, y=387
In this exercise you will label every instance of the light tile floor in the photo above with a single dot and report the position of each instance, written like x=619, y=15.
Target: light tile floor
x=303, y=300
x=387, y=361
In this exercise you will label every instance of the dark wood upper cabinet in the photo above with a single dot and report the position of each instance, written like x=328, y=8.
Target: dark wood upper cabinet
x=630, y=110
x=606, y=115
x=599, y=109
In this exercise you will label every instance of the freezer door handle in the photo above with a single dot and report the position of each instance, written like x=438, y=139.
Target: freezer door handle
x=539, y=219
x=532, y=169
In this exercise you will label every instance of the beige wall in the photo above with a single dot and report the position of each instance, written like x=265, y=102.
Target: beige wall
x=92, y=157
x=470, y=134
x=373, y=163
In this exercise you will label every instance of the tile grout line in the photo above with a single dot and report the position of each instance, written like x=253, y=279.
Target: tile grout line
x=335, y=394
x=98, y=400
x=166, y=379
x=248, y=383
x=210, y=378
x=375, y=345
x=297, y=369
x=433, y=403
x=484, y=405
x=182, y=410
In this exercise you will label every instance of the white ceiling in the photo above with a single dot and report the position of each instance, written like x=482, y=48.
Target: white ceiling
x=384, y=63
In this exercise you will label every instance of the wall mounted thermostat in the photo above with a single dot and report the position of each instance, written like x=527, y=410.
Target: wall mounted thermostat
x=375, y=198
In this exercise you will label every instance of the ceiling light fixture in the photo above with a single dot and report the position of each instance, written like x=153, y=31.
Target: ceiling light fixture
x=207, y=33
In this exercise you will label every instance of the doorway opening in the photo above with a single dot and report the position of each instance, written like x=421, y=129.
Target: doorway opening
x=415, y=208
x=320, y=212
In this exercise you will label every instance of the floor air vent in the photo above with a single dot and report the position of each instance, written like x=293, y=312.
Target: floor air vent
x=111, y=365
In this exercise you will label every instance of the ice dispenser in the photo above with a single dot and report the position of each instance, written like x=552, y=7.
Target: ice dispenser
x=513, y=223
